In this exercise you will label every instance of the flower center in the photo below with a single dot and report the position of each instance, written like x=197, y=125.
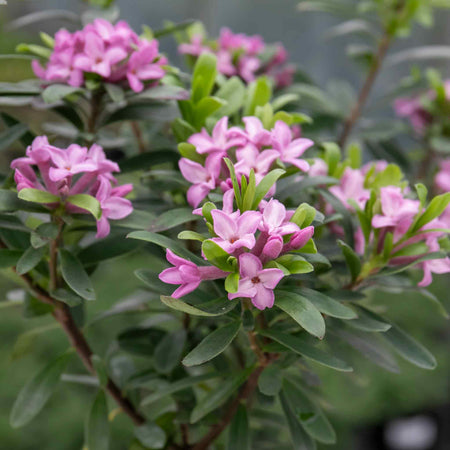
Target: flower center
x=256, y=280
x=98, y=60
x=233, y=240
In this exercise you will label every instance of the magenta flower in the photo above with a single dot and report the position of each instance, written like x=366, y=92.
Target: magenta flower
x=195, y=47
x=97, y=58
x=431, y=266
x=275, y=219
x=249, y=157
x=142, y=66
x=442, y=179
x=204, y=179
x=412, y=109
x=252, y=45
x=113, y=205
x=397, y=211
x=247, y=67
x=187, y=274
x=235, y=231
x=290, y=150
x=219, y=141
x=299, y=239
x=255, y=132
x=351, y=186
x=255, y=282
x=69, y=162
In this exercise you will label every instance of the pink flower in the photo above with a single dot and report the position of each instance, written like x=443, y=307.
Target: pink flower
x=70, y=162
x=433, y=265
x=412, y=109
x=220, y=140
x=231, y=41
x=142, y=66
x=255, y=282
x=113, y=205
x=255, y=132
x=351, y=186
x=275, y=219
x=187, y=274
x=442, y=179
x=235, y=231
x=288, y=149
x=96, y=57
x=318, y=168
x=204, y=179
x=397, y=211
x=247, y=67
x=249, y=157
x=299, y=239
x=195, y=47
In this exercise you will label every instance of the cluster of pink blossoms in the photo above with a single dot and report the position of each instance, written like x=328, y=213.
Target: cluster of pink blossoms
x=251, y=148
x=413, y=109
x=75, y=170
x=396, y=216
x=113, y=52
x=241, y=55
x=254, y=238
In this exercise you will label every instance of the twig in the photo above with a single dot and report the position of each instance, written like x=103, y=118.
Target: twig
x=139, y=138
x=366, y=88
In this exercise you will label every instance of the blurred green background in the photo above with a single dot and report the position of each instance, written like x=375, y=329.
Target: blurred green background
x=367, y=396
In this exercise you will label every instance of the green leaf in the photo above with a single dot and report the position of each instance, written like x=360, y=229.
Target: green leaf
x=151, y=435
x=140, y=341
x=205, y=108
x=25, y=341
x=232, y=282
x=9, y=258
x=299, y=438
x=259, y=93
x=191, y=236
x=30, y=259
x=239, y=435
x=351, y=258
x=265, y=184
x=100, y=370
x=212, y=345
x=328, y=305
x=146, y=160
x=110, y=247
x=162, y=92
x=311, y=417
x=301, y=345
x=56, y=92
x=37, y=391
x=75, y=275
x=369, y=321
x=409, y=348
x=37, y=196
x=204, y=76
x=165, y=242
x=12, y=134
x=212, y=308
x=219, y=395
x=332, y=156
x=168, y=351
x=172, y=218
x=233, y=92
x=179, y=385
x=66, y=296
x=217, y=256
x=302, y=311
x=87, y=202
x=434, y=209
x=270, y=380
x=422, y=193
x=9, y=202
x=97, y=425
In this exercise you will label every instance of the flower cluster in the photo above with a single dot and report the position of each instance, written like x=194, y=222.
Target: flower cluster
x=113, y=52
x=255, y=240
x=418, y=109
x=253, y=148
x=75, y=170
x=244, y=56
x=393, y=212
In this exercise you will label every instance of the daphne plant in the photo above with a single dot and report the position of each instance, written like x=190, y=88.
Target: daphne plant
x=262, y=245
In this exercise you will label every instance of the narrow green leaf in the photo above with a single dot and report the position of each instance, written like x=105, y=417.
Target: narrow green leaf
x=217, y=256
x=37, y=196
x=204, y=76
x=258, y=94
x=270, y=380
x=265, y=184
x=97, y=425
x=302, y=311
x=151, y=435
x=434, y=209
x=9, y=258
x=168, y=351
x=87, y=202
x=172, y=218
x=368, y=321
x=75, y=275
x=56, y=92
x=37, y=391
x=328, y=305
x=212, y=345
x=239, y=435
x=12, y=134
x=300, y=345
x=100, y=370
x=351, y=258
x=216, y=307
x=30, y=259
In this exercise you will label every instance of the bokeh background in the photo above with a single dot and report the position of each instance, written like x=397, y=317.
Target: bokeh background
x=377, y=409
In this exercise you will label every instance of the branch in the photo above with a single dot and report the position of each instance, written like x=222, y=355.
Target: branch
x=64, y=317
x=366, y=88
x=245, y=393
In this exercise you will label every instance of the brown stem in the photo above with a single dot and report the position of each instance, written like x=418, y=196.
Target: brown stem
x=63, y=316
x=366, y=88
x=244, y=394
x=139, y=138
x=96, y=101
